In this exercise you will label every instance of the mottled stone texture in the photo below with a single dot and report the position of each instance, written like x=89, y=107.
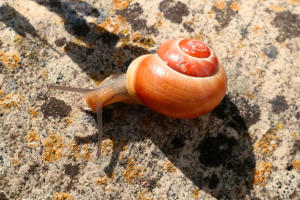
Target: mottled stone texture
x=247, y=148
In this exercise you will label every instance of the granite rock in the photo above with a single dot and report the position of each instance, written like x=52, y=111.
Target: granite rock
x=247, y=148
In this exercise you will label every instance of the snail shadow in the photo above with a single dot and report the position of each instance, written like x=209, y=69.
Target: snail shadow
x=13, y=19
x=214, y=151
x=218, y=157
x=19, y=23
x=95, y=50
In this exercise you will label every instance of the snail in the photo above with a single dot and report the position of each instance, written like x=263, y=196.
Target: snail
x=183, y=79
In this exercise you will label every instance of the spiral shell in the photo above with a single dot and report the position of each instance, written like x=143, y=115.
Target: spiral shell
x=176, y=83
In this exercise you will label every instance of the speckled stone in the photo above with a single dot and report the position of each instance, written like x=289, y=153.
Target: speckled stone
x=247, y=148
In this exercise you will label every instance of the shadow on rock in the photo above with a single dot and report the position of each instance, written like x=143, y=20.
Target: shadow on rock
x=222, y=161
x=97, y=52
x=214, y=151
x=13, y=19
x=20, y=24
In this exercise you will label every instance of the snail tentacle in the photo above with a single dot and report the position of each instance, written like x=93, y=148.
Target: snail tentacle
x=100, y=131
x=71, y=89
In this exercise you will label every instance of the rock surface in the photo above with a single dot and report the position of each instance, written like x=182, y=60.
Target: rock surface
x=247, y=148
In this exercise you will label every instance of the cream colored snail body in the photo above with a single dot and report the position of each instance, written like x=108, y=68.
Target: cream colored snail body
x=182, y=80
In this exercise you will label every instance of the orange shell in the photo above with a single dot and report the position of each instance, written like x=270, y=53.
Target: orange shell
x=152, y=82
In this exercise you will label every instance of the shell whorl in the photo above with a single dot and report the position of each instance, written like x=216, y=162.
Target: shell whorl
x=190, y=57
x=166, y=90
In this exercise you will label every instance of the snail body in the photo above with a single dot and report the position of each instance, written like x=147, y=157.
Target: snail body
x=182, y=80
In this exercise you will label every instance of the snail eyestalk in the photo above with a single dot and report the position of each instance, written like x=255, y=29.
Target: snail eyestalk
x=71, y=89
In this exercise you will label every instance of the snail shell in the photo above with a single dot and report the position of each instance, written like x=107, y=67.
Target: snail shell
x=183, y=92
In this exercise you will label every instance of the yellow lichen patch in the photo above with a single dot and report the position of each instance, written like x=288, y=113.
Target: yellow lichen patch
x=62, y=196
x=59, y=21
x=122, y=156
x=283, y=44
x=53, y=146
x=18, y=39
x=211, y=14
x=267, y=144
x=143, y=195
x=235, y=6
x=67, y=122
x=9, y=101
x=132, y=172
x=296, y=135
x=249, y=95
x=296, y=164
x=33, y=112
x=143, y=41
x=169, y=167
x=159, y=15
x=262, y=55
x=10, y=60
x=279, y=126
x=104, y=181
x=121, y=4
x=80, y=42
x=81, y=153
x=238, y=47
x=159, y=20
x=191, y=22
x=76, y=150
x=158, y=24
x=32, y=139
x=104, y=25
x=124, y=147
x=107, y=146
x=255, y=29
x=74, y=115
x=101, y=181
x=86, y=155
x=32, y=136
x=124, y=31
x=125, y=40
x=262, y=171
x=196, y=192
x=45, y=73
x=113, y=24
x=9, y=105
x=256, y=72
x=276, y=8
x=220, y=4
x=75, y=43
x=66, y=48
x=15, y=160
x=241, y=44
